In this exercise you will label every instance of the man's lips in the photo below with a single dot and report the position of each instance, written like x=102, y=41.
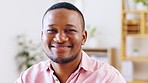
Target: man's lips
x=61, y=46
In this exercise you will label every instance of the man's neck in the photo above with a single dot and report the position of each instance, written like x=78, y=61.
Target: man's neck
x=63, y=71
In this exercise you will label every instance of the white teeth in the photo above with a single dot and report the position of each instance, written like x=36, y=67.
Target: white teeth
x=60, y=47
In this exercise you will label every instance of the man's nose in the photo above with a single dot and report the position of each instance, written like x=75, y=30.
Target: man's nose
x=60, y=37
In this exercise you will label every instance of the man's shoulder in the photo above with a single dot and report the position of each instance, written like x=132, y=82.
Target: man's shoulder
x=104, y=69
x=39, y=67
x=102, y=66
x=34, y=72
x=91, y=64
x=103, y=72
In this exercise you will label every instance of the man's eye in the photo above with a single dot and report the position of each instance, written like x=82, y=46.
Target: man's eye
x=70, y=30
x=51, y=31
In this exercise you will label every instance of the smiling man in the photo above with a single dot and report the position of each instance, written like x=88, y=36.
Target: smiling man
x=63, y=35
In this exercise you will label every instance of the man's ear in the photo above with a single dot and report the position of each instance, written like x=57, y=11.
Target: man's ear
x=84, y=37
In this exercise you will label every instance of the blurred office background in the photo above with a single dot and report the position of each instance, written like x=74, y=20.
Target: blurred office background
x=24, y=17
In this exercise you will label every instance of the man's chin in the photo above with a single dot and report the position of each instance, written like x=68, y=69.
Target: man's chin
x=63, y=61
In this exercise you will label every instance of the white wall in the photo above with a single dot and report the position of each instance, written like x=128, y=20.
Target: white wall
x=106, y=16
x=24, y=16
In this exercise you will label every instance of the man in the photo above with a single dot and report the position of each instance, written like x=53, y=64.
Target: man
x=63, y=35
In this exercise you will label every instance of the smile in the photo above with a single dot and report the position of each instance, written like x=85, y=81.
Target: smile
x=61, y=47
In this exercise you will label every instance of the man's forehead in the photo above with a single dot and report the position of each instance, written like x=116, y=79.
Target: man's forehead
x=51, y=14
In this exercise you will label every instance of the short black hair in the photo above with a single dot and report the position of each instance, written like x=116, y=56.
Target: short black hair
x=68, y=6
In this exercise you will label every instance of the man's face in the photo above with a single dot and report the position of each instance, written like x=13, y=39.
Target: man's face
x=62, y=35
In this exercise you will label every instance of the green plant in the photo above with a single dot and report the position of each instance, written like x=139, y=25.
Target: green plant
x=144, y=2
x=28, y=54
x=93, y=32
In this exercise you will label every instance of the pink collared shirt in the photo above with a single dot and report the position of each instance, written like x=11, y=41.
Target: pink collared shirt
x=89, y=71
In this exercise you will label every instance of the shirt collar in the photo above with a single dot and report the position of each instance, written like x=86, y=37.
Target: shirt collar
x=86, y=62
x=48, y=66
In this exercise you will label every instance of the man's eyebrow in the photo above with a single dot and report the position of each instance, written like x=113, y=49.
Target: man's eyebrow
x=68, y=25
x=71, y=25
x=51, y=25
